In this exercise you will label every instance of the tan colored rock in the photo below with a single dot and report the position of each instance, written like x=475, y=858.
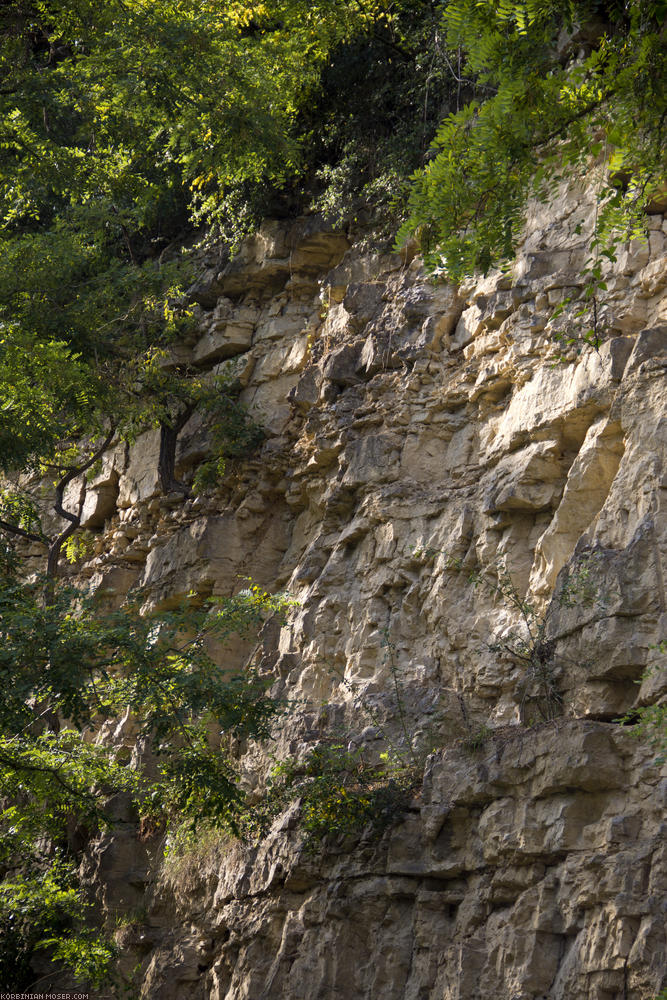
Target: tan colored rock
x=223, y=341
x=418, y=435
x=588, y=483
x=472, y=895
x=140, y=480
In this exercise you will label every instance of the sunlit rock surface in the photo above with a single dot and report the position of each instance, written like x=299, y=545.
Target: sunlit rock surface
x=416, y=434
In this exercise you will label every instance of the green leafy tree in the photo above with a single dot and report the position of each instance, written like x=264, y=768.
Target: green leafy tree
x=66, y=668
x=359, y=154
x=122, y=127
x=558, y=86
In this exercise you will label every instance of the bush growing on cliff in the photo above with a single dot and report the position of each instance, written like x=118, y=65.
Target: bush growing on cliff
x=340, y=795
x=124, y=126
x=650, y=721
x=359, y=153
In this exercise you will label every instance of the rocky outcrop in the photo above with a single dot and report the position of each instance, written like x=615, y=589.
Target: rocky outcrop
x=418, y=434
x=531, y=869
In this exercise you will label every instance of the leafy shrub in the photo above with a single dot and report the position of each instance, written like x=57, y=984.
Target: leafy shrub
x=38, y=912
x=650, y=721
x=360, y=154
x=62, y=657
x=340, y=794
x=477, y=739
x=233, y=433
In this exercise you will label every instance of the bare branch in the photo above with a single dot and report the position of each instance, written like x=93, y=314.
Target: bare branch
x=29, y=536
x=74, y=519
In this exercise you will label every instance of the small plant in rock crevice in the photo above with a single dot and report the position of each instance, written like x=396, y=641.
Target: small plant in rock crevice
x=528, y=644
x=581, y=587
x=477, y=739
x=650, y=721
x=345, y=790
x=233, y=433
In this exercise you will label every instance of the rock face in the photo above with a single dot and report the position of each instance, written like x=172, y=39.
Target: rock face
x=418, y=434
x=527, y=872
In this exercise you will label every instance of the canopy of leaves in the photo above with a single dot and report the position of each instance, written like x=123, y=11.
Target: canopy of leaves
x=558, y=87
x=123, y=125
x=380, y=99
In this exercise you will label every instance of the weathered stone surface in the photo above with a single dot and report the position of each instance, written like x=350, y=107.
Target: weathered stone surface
x=343, y=365
x=223, y=340
x=139, y=481
x=525, y=871
x=415, y=435
x=212, y=549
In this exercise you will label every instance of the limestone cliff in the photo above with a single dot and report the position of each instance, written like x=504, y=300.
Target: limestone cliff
x=418, y=433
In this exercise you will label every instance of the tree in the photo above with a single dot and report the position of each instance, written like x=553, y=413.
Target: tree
x=121, y=128
x=65, y=667
x=111, y=149
x=558, y=86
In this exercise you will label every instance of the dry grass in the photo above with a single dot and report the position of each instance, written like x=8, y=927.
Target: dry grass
x=192, y=856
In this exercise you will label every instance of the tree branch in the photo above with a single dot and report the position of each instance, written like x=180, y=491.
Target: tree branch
x=167, y=460
x=18, y=765
x=74, y=519
x=30, y=536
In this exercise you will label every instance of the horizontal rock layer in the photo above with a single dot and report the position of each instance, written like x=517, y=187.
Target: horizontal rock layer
x=418, y=434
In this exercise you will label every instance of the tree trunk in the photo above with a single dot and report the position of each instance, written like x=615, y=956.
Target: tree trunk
x=167, y=461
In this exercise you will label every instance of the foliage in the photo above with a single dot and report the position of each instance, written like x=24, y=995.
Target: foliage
x=342, y=790
x=581, y=584
x=35, y=909
x=477, y=739
x=99, y=108
x=232, y=433
x=527, y=644
x=63, y=658
x=650, y=721
x=359, y=154
x=159, y=398
x=530, y=647
x=111, y=150
x=340, y=794
x=544, y=110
